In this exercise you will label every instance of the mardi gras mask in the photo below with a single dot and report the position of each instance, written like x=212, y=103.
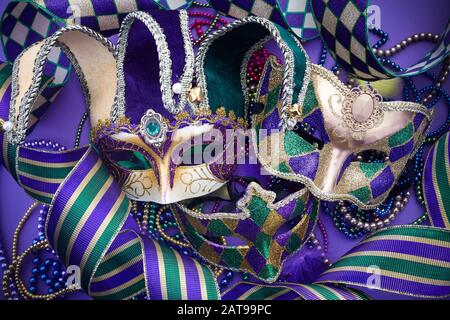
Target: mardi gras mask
x=349, y=125
x=258, y=230
x=141, y=106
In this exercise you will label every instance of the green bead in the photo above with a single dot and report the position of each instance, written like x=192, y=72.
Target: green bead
x=153, y=128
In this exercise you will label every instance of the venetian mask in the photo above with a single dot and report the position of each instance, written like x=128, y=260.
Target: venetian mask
x=260, y=224
x=329, y=160
x=349, y=125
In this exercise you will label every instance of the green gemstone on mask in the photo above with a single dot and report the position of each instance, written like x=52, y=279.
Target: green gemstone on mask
x=295, y=145
x=153, y=128
x=370, y=169
x=363, y=194
x=402, y=136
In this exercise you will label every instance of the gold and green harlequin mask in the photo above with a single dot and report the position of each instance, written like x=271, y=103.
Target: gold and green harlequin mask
x=263, y=234
x=328, y=159
x=344, y=125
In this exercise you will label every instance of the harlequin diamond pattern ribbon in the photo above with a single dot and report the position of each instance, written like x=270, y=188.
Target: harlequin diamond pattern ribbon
x=436, y=183
x=294, y=15
x=343, y=27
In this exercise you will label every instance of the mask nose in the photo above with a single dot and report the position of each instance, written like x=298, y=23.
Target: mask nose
x=336, y=160
x=164, y=184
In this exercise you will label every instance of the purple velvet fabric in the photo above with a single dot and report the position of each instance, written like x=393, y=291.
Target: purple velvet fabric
x=141, y=67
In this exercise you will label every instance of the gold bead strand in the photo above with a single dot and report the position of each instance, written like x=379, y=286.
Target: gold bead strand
x=162, y=232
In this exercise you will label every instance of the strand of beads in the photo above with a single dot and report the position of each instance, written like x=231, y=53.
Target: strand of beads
x=421, y=219
x=164, y=218
x=255, y=69
x=403, y=44
x=80, y=129
x=323, y=54
x=383, y=38
x=14, y=271
x=431, y=138
x=365, y=220
x=48, y=270
x=314, y=244
x=12, y=278
x=8, y=280
x=212, y=21
x=44, y=144
x=8, y=285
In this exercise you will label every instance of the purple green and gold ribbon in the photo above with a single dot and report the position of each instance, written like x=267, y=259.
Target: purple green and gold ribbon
x=409, y=260
x=436, y=183
x=291, y=291
x=85, y=226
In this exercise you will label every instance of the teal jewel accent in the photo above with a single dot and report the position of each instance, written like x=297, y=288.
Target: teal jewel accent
x=153, y=128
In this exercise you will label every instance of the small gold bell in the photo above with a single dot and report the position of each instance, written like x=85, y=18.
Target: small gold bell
x=195, y=95
x=5, y=126
x=295, y=111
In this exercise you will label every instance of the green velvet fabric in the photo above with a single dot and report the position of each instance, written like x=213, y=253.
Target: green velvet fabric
x=223, y=63
x=224, y=59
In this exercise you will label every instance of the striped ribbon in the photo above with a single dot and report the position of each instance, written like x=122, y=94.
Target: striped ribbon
x=40, y=173
x=85, y=226
x=409, y=260
x=436, y=183
x=291, y=291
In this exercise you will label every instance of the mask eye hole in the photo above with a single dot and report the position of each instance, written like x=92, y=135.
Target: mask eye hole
x=306, y=131
x=130, y=160
x=371, y=156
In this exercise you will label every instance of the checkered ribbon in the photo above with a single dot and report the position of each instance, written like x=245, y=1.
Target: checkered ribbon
x=343, y=27
x=174, y=4
x=294, y=15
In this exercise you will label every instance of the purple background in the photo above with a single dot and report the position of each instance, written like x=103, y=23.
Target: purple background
x=400, y=19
